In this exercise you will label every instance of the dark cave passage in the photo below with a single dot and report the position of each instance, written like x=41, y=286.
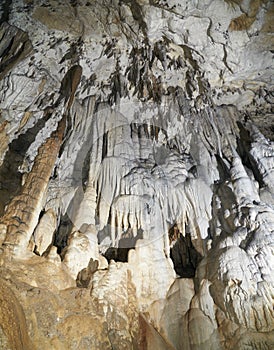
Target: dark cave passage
x=183, y=254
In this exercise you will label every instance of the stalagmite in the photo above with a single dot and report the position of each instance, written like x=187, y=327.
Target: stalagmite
x=22, y=214
x=43, y=234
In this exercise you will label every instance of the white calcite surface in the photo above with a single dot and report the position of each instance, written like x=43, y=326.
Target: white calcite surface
x=137, y=174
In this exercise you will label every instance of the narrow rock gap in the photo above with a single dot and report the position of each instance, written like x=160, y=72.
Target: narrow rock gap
x=85, y=170
x=243, y=149
x=222, y=169
x=62, y=233
x=10, y=177
x=182, y=252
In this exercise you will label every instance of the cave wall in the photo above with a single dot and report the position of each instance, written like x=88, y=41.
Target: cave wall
x=137, y=174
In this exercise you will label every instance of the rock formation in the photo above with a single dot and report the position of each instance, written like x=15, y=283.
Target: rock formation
x=136, y=174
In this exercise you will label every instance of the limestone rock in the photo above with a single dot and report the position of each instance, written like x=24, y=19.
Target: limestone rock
x=150, y=284
x=22, y=214
x=43, y=234
x=14, y=333
x=136, y=174
x=85, y=275
x=78, y=253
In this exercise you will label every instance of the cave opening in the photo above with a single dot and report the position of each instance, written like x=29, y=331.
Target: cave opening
x=62, y=233
x=125, y=244
x=184, y=255
x=117, y=254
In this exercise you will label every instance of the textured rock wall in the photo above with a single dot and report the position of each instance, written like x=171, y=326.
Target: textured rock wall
x=137, y=174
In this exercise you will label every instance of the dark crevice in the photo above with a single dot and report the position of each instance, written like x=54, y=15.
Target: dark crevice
x=105, y=145
x=6, y=11
x=243, y=149
x=189, y=57
x=8, y=62
x=222, y=169
x=183, y=254
x=62, y=233
x=117, y=254
x=126, y=243
x=121, y=253
x=85, y=170
x=137, y=14
x=10, y=177
x=118, y=86
x=70, y=83
x=15, y=46
x=225, y=59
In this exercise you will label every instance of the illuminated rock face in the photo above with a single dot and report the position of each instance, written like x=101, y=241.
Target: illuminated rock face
x=137, y=174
